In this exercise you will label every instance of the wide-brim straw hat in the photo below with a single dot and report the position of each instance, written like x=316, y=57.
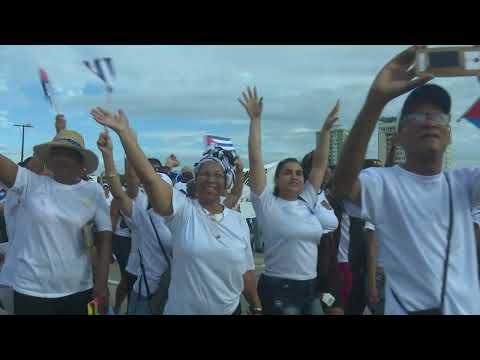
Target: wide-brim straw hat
x=69, y=139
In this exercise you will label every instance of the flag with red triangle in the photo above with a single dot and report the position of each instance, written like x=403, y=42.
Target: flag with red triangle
x=473, y=114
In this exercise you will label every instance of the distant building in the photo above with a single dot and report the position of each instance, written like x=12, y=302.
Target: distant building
x=387, y=130
x=338, y=135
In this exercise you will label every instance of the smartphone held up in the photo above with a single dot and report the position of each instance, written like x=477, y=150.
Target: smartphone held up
x=448, y=61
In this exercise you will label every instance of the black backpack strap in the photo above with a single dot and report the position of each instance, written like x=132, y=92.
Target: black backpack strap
x=167, y=258
x=449, y=241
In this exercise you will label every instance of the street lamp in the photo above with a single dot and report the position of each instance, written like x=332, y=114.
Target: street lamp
x=23, y=126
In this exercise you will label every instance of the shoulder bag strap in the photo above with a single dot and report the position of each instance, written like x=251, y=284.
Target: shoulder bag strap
x=449, y=241
x=167, y=258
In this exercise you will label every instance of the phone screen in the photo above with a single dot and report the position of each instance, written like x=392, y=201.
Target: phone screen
x=444, y=59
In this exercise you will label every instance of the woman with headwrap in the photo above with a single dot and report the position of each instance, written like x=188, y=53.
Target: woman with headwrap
x=212, y=262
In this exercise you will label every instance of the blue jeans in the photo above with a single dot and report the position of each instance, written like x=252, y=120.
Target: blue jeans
x=289, y=297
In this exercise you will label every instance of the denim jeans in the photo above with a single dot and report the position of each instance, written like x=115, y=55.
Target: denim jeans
x=289, y=297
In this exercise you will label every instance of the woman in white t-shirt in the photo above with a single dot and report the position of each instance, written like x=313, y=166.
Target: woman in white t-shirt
x=53, y=272
x=151, y=260
x=291, y=227
x=212, y=260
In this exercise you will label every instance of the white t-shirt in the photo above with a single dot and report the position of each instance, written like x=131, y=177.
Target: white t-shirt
x=291, y=233
x=411, y=217
x=153, y=259
x=109, y=199
x=182, y=187
x=209, y=259
x=11, y=209
x=122, y=228
x=344, y=243
x=133, y=264
x=325, y=214
x=53, y=260
x=371, y=227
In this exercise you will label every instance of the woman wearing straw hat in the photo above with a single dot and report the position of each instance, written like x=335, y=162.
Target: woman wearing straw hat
x=54, y=268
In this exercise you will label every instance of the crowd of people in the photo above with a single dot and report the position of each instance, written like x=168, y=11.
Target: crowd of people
x=357, y=237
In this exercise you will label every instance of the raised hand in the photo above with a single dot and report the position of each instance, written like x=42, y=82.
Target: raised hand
x=104, y=144
x=332, y=117
x=398, y=76
x=117, y=122
x=252, y=104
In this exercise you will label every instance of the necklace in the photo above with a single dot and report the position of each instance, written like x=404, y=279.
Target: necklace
x=216, y=219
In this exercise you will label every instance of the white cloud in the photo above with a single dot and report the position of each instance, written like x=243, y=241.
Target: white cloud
x=4, y=119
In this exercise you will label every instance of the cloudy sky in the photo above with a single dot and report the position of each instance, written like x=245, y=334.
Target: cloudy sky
x=173, y=95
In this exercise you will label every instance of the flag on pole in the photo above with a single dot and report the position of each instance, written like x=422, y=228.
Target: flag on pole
x=103, y=69
x=473, y=114
x=46, y=86
x=217, y=141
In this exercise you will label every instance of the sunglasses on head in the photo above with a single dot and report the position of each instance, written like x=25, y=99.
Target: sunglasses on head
x=421, y=118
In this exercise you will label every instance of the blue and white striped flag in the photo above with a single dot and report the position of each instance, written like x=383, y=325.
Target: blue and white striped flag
x=217, y=141
x=103, y=68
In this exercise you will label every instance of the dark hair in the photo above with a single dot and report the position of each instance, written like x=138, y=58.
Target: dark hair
x=25, y=162
x=307, y=164
x=368, y=163
x=279, y=168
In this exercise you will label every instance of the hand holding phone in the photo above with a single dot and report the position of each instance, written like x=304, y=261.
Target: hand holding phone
x=448, y=61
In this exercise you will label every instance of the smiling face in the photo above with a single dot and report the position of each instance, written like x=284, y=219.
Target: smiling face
x=289, y=180
x=210, y=182
x=425, y=138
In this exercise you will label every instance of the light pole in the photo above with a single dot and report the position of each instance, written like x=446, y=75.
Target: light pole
x=23, y=126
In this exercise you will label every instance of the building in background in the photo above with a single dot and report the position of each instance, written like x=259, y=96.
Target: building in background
x=387, y=130
x=338, y=135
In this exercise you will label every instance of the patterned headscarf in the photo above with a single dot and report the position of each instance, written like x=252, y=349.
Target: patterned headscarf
x=222, y=157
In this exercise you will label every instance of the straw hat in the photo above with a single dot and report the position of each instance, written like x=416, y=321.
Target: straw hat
x=69, y=139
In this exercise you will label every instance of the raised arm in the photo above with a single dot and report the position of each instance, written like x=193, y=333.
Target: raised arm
x=158, y=191
x=236, y=193
x=8, y=171
x=105, y=146
x=320, y=154
x=254, y=106
x=395, y=79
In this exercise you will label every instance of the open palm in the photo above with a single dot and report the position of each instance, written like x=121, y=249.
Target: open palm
x=398, y=76
x=117, y=122
x=252, y=104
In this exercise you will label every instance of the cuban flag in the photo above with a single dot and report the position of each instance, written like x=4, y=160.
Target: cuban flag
x=103, y=69
x=217, y=141
x=46, y=85
x=473, y=114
